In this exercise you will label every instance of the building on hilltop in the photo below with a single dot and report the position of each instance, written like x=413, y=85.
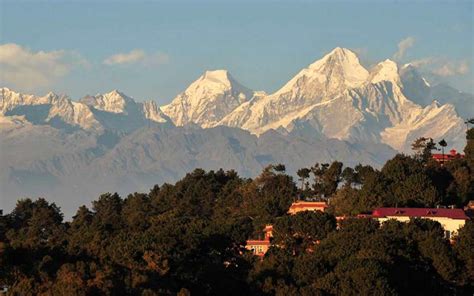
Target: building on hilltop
x=450, y=219
x=260, y=247
x=300, y=206
x=453, y=154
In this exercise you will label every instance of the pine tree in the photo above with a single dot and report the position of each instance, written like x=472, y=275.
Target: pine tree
x=303, y=174
x=469, y=149
x=443, y=144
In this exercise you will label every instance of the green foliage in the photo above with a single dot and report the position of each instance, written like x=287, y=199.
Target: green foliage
x=303, y=175
x=326, y=178
x=267, y=197
x=464, y=246
x=36, y=224
x=469, y=149
x=423, y=147
x=188, y=238
x=302, y=231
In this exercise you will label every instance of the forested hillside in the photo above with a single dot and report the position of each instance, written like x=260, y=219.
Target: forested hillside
x=188, y=238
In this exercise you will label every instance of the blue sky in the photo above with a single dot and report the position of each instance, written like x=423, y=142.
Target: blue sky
x=155, y=49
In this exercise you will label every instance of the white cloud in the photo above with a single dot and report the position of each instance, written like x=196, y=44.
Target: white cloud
x=22, y=68
x=452, y=68
x=403, y=45
x=125, y=58
x=442, y=66
x=137, y=56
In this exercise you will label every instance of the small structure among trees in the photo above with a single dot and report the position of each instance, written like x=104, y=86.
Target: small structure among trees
x=300, y=206
x=260, y=246
x=442, y=158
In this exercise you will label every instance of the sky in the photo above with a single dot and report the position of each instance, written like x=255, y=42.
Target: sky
x=155, y=49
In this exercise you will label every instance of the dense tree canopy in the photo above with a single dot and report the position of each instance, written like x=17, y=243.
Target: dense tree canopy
x=188, y=238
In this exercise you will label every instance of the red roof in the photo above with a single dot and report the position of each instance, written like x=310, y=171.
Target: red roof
x=258, y=242
x=268, y=227
x=420, y=212
x=309, y=204
x=447, y=156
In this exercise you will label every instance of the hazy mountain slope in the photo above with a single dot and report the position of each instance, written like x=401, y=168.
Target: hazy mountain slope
x=73, y=168
x=464, y=102
x=418, y=89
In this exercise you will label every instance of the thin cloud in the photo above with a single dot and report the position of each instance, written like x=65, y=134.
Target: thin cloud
x=125, y=58
x=422, y=62
x=403, y=46
x=452, y=69
x=442, y=66
x=29, y=70
x=137, y=56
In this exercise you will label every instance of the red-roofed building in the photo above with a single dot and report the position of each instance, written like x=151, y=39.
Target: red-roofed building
x=450, y=219
x=260, y=247
x=300, y=206
x=453, y=154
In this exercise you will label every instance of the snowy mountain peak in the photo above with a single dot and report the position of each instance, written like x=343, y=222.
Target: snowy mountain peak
x=218, y=76
x=57, y=110
x=117, y=95
x=114, y=101
x=343, y=60
x=341, y=54
x=216, y=81
x=336, y=71
x=436, y=104
x=342, y=63
x=385, y=71
x=153, y=112
x=51, y=94
x=10, y=100
x=208, y=99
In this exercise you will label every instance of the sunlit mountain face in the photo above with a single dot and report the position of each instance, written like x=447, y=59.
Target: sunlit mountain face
x=334, y=109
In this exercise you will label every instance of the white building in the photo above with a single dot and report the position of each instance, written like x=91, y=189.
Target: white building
x=450, y=219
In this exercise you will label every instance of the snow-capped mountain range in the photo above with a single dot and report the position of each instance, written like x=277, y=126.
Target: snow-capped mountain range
x=92, y=113
x=335, y=109
x=337, y=97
